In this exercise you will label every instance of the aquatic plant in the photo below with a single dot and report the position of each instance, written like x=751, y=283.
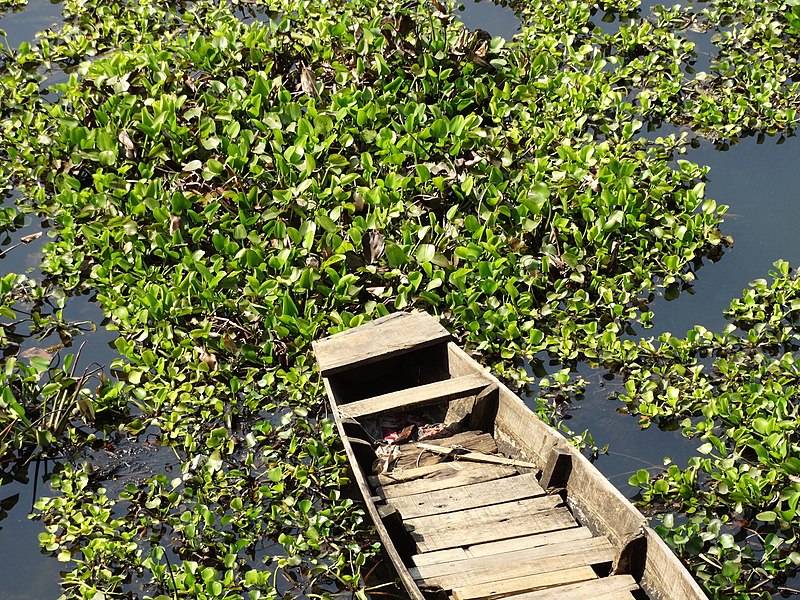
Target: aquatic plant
x=232, y=191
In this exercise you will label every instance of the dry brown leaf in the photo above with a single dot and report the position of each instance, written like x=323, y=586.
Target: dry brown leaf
x=26, y=239
x=174, y=224
x=308, y=82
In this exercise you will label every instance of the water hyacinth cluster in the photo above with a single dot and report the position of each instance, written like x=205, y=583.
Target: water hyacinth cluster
x=230, y=191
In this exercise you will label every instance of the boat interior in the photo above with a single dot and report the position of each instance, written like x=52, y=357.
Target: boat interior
x=473, y=508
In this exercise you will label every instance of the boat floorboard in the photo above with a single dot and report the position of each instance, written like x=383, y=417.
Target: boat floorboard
x=467, y=497
x=487, y=531
x=595, y=588
x=509, y=545
x=440, y=477
x=515, y=585
x=412, y=456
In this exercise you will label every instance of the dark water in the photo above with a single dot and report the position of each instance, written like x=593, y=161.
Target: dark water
x=26, y=573
x=755, y=179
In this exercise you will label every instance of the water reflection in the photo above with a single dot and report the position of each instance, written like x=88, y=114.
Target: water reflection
x=497, y=19
x=756, y=179
x=24, y=25
x=27, y=574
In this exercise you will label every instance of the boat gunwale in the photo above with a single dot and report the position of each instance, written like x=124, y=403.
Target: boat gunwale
x=662, y=573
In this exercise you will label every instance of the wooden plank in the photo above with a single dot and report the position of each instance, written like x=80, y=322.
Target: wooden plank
x=380, y=527
x=450, y=475
x=493, y=527
x=527, y=583
x=585, y=589
x=490, y=548
x=505, y=560
x=420, y=395
x=468, y=496
x=573, y=556
x=410, y=455
x=377, y=340
x=466, y=518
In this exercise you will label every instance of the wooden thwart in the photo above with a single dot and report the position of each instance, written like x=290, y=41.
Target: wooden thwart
x=503, y=546
x=468, y=496
x=514, y=585
x=446, y=475
x=606, y=586
x=415, y=396
x=378, y=340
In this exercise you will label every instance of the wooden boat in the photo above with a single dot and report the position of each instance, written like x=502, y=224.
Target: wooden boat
x=497, y=504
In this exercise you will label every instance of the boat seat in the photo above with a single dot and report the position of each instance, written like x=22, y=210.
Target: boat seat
x=377, y=340
x=430, y=393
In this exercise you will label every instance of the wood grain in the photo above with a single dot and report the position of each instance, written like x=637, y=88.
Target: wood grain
x=420, y=395
x=574, y=556
x=509, y=545
x=446, y=475
x=494, y=525
x=615, y=584
x=378, y=340
x=507, y=587
x=506, y=560
x=468, y=496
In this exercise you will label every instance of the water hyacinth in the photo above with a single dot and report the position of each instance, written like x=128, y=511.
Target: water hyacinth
x=229, y=191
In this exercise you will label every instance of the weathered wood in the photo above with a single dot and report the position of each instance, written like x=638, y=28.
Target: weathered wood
x=484, y=409
x=527, y=583
x=573, y=556
x=372, y=510
x=469, y=496
x=475, y=456
x=449, y=475
x=417, y=396
x=509, y=545
x=378, y=340
x=556, y=472
x=412, y=457
x=585, y=589
x=466, y=518
x=506, y=559
x=494, y=525
x=519, y=434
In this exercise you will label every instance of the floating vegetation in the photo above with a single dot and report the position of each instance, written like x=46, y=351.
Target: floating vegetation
x=230, y=191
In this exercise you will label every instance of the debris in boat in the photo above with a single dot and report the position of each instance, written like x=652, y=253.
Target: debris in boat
x=404, y=435
x=438, y=430
x=386, y=456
